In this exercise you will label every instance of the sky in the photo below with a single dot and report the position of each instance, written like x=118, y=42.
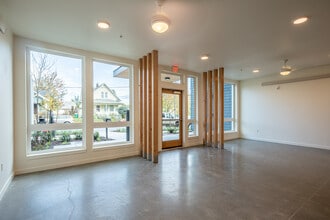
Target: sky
x=70, y=70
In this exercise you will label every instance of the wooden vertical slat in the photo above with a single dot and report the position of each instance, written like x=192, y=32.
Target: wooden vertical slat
x=149, y=110
x=155, y=104
x=209, y=80
x=145, y=107
x=205, y=107
x=141, y=103
x=150, y=107
x=222, y=83
x=216, y=108
x=180, y=118
x=213, y=88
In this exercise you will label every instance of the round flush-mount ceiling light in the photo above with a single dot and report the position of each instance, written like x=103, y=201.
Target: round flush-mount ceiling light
x=300, y=20
x=103, y=25
x=256, y=71
x=160, y=23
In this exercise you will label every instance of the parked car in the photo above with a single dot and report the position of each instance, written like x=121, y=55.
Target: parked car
x=168, y=119
x=63, y=119
x=167, y=115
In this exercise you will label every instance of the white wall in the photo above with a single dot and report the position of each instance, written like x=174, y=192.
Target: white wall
x=6, y=111
x=295, y=113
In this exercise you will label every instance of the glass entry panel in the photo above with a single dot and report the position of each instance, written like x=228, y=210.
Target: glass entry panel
x=171, y=118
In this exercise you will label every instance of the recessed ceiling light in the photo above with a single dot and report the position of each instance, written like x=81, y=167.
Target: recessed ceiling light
x=103, y=25
x=300, y=20
x=256, y=71
x=204, y=57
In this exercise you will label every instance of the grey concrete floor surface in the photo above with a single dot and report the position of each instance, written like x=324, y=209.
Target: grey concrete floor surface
x=246, y=180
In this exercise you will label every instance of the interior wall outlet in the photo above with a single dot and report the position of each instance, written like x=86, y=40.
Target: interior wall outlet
x=1, y=167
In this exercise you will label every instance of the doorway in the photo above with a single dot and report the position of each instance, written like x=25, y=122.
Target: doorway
x=171, y=118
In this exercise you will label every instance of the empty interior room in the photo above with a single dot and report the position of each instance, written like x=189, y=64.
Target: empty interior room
x=164, y=109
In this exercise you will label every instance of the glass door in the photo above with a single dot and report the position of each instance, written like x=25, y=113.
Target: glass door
x=171, y=118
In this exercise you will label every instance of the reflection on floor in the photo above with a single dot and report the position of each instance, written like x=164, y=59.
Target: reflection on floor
x=246, y=180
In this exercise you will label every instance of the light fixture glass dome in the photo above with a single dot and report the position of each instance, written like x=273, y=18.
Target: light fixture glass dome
x=160, y=23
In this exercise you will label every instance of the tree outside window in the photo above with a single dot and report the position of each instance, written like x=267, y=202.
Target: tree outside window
x=55, y=91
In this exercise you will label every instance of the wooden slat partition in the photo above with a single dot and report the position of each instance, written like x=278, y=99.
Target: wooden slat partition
x=141, y=106
x=205, y=107
x=149, y=110
x=156, y=111
x=210, y=105
x=216, y=106
x=213, y=83
x=149, y=101
x=145, y=108
x=222, y=100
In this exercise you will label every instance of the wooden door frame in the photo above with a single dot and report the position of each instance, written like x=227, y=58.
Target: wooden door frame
x=173, y=143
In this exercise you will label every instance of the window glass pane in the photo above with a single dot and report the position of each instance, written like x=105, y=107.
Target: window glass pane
x=192, y=129
x=170, y=78
x=56, y=139
x=228, y=100
x=228, y=126
x=192, y=106
x=111, y=135
x=191, y=84
x=55, y=88
x=171, y=116
x=111, y=92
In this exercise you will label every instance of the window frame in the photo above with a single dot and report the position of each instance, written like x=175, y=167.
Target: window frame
x=87, y=124
x=56, y=126
x=234, y=108
x=195, y=121
x=110, y=124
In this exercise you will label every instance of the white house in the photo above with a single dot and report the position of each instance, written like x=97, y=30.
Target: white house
x=106, y=102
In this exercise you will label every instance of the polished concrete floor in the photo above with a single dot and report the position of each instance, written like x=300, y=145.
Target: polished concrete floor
x=246, y=180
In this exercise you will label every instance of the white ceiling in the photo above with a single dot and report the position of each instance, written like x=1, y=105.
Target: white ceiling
x=237, y=34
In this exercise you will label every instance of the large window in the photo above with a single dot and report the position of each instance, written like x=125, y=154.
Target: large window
x=112, y=101
x=229, y=107
x=192, y=106
x=62, y=104
x=55, y=101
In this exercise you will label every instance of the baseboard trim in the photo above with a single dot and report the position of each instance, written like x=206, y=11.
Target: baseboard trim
x=6, y=185
x=231, y=138
x=288, y=142
x=74, y=163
